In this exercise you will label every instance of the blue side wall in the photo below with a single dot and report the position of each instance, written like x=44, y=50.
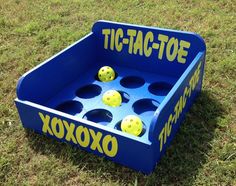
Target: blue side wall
x=45, y=80
x=30, y=117
x=141, y=62
x=171, y=112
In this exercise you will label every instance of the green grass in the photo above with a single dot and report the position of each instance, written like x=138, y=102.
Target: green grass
x=204, y=150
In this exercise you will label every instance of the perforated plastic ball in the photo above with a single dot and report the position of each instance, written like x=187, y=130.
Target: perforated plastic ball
x=132, y=124
x=106, y=74
x=112, y=98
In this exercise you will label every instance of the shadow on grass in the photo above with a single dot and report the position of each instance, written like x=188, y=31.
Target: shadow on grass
x=179, y=166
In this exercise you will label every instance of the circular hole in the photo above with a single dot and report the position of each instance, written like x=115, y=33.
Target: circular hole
x=89, y=91
x=160, y=88
x=101, y=116
x=70, y=107
x=125, y=97
x=118, y=127
x=145, y=106
x=132, y=82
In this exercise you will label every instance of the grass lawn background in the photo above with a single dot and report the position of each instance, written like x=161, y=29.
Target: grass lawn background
x=204, y=150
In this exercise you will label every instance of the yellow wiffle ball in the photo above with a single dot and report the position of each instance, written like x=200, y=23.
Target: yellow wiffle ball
x=112, y=98
x=132, y=124
x=106, y=74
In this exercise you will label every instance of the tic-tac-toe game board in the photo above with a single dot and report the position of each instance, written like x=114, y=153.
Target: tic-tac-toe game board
x=158, y=74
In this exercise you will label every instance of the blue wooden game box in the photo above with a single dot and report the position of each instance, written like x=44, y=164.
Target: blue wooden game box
x=158, y=74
